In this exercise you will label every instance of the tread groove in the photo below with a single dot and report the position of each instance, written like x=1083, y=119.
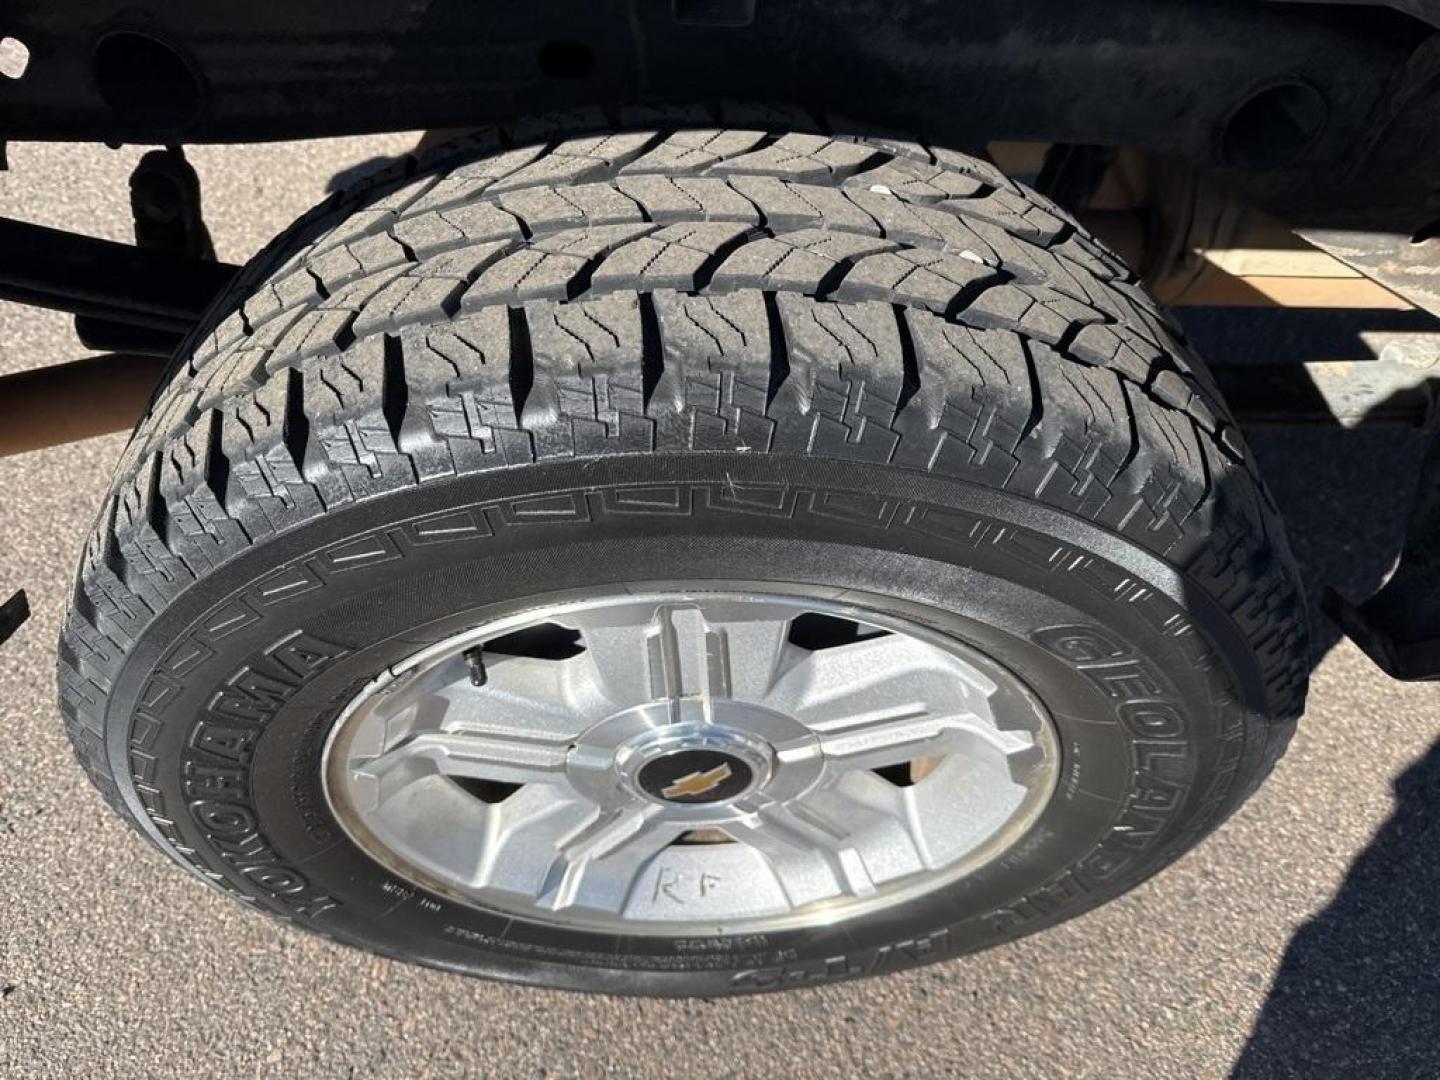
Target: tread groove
x=296, y=431
x=394, y=390
x=217, y=465
x=652, y=351
x=779, y=350
x=522, y=363
x=910, y=362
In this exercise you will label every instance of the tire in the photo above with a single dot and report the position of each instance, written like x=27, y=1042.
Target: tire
x=698, y=348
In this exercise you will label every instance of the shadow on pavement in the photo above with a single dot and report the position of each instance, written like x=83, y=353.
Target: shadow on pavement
x=345, y=177
x=1358, y=992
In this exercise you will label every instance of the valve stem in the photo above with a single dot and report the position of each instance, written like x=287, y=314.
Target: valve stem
x=475, y=664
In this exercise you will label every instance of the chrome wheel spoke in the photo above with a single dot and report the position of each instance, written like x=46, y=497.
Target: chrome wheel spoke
x=755, y=646
x=798, y=842
x=522, y=694
x=523, y=833
x=685, y=650
x=837, y=841
x=813, y=847
x=562, y=852
x=599, y=865
x=519, y=695
x=507, y=759
x=883, y=737
x=887, y=700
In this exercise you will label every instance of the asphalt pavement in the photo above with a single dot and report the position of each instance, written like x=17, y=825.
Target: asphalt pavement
x=1301, y=940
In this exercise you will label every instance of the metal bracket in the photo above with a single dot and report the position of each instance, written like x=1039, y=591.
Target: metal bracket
x=1406, y=265
x=165, y=203
x=13, y=614
x=113, y=282
x=1399, y=627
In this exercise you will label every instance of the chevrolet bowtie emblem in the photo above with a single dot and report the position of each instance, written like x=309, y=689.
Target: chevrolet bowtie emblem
x=698, y=783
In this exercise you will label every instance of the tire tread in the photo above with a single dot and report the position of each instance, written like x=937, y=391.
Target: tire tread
x=547, y=291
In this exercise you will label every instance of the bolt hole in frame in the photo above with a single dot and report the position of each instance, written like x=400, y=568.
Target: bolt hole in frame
x=14, y=58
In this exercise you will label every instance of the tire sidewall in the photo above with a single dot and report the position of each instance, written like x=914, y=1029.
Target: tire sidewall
x=218, y=718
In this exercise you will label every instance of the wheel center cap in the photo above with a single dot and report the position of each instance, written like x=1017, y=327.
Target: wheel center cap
x=702, y=766
x=695, y=776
